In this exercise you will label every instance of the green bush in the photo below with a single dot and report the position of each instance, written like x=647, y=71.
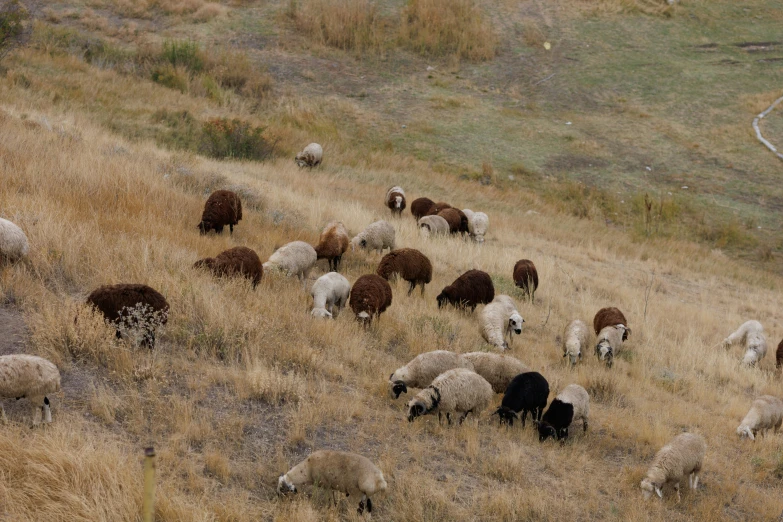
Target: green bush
x=183, y=53
x=15, y=27
x=233, y=138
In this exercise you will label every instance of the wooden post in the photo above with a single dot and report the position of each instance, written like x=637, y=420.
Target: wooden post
x=148, y=507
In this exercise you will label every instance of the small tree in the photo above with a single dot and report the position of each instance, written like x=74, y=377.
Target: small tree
x=15, y=25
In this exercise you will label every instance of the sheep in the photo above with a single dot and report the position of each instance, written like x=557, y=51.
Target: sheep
x=478, y=223
x=526, y=277
x=570, y=405
x=408, y=263
x=437, y=207
x=610, y=317
x=371, y=295
x=223, y=207
x=472, y=288
x=527, y=392
x=395, y=200
x=330, y=294
x=453, y=218
x=31, y=377
x=421, y=207
x=131, y=305
x=498, y=369
x=751, y=335
x=609, y=342
x=499, y=321
x=377, y=236
x=684, y=455
x=13, y=241
x=423, y=369
x=332, y=244
x=434, y=225
x=348, y=473
x=310, y=156
x=766, y=412
x=575, y=340
x=779, y=356
x=240, y=261
x=295, y=258
x=458, y=390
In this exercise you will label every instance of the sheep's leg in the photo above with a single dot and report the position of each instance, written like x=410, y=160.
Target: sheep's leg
x=37, y=410
x=439, y=421
x=369, y=505
x=695, y=480
x=219, y=229
x=412, y=286
x=47, y=410
x=448, y=418
x=334, y=499
x=677, y=489
x=524, y=416
x=231, y=229
x=422, y=290
x=361, y=505
x=584, y=425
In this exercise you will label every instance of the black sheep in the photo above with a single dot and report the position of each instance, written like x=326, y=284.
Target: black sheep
x=222, y=208
x=526, y=277
x=117, y=304
x=527, y=392
x=472, y=288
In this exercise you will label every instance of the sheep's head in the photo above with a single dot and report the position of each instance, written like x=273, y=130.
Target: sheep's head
x=750, y=359
x=506, y=415
x=303, y=159
x=283, y=486
x=648, y=487
x=574, y=354
x=398, y=201
x=515, y=323
x=605, y=352
x=479, y=239
x=205, y=226
x=364, y=318
x=321, y=312
x=208, y=262
x=416, y=408
x=545, y=430
x=397, y=387
x=444, y=297
x=745, y=432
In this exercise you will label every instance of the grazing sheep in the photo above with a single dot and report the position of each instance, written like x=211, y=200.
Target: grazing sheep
x=751, y=335
x=499, y=321
x=332, y=244
x=132, y=305
x=453, y=218
x=472, y=288
x=436, y=208
x=31, y=377
x=408, y=263
x=575, y=340
x=371, y=295
x=498, y=369
x=766, y=412
x=434, y=225
x=310, y=156
x=571, y=405
x=295, y=259
x=527, y=392
x=341, y=471
x=423, y=369
x=421, y=207
x=395, y=200
x=330, y=294
x=526, y=277
x=458, y=390
x=13, y=241
x=240, y=261
x=478, y=223
x=779, y=355
x=684, y=455
x=377, y=236
x=610, y=317
x=610, y=340
x=223, y=207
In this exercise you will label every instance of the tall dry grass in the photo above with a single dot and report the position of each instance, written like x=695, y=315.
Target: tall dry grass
x=345, y=24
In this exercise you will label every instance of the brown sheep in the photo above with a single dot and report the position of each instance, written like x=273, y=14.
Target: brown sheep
x=115, y=302
x=408, y=263
x=464, y=227
x=779, y=356
x=240, y=261
x=472, y=288
x=395, y=200
x=421, y=207
x=610, y=317
x=371, y=295
x=526, y=277
x=452, y=217
x=437, y=207
x=223, y=207
x=332, y=245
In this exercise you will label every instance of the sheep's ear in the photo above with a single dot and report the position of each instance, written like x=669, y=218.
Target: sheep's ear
x=750, y=434
x=565, y=354
x=658, y=491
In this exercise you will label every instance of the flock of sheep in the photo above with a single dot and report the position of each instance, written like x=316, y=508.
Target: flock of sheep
x=450, y=384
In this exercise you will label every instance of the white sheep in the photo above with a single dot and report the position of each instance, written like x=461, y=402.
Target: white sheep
x=458, y=390
x=766, y=412
x=497, y=368
x=13, y=241
x=341, y=471
x=575, y=339
x=296, y=259
x=610, y=340
x=434, y=226
x=684, y=455
x=478, y=223
x=377, y=236
x=751, y=335
x=30, y=377
x=499, y=321
x=310, y=156
x=423, y=369
x=330, y=294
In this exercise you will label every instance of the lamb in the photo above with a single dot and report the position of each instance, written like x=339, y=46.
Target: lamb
x=571, y=405
x=454, y=219
x=472, y=288
x=237, y=261
x=296, y=259
x=434, y=225
x=751, y=335
x=31, y=377
x=526, y=277
x=371, y=295
x=527, y=392
x=408, y=263
x=421, y=207
x=395, y=200
x=13, y=241
x=223, y=207
x=499, y=321
x=377, y=236
x=341, y=471
x=766, y=412
x=684, y=455
x=423, y=369
x=575, y=340
x=498, y=369
x=330, y=294
x=332, y=244
x=310, y=156
x=610, y=317
x=132, y=305
x=610, y=340
x=779, y=356
x=458, y=390
x=478, y=223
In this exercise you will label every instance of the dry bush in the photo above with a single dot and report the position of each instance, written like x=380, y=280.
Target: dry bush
x=208, y=11
x=345, y=24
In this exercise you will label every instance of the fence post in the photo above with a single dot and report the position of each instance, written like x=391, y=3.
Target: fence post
x=148, y=507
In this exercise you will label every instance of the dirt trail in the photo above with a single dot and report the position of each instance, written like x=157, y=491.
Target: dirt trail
x=13, y=331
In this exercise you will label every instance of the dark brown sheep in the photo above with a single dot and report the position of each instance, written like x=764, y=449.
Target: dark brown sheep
x=332, y=244
x=223, y=207
x=463, y=222
x=421, y=207
x=114, y=302
x=609, y=317
x=237, y=261
x=408, y=263
x=452, y=218
x=395, y=200
x=526, y=277
x=779, y=356
x=437, y=207
x=371, y=295
x=472, y=288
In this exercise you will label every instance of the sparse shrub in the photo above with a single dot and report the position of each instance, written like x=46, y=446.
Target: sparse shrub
x=345, y=24
x=15, y=26
x=140, y=323
x=602, y=389
x=171, y=77
x=234, y=138
x=183, y=53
